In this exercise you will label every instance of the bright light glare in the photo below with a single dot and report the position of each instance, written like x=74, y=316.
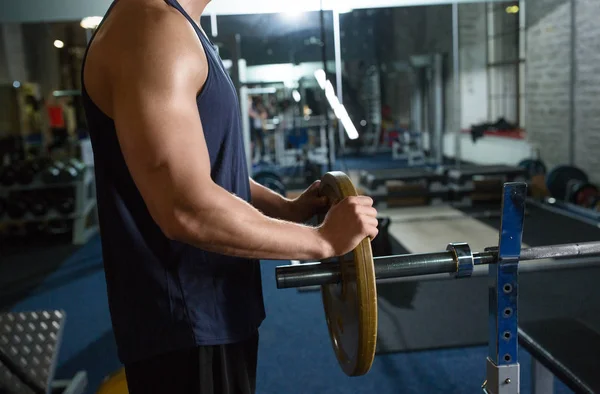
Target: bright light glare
x=334, y=102
x=293, y=14
x=91, y=22
x=16, y=84
x=296, y=96
x=59, y=44
x=263, y=90
x=340, y=111
x=513, y=9
x=321, y=78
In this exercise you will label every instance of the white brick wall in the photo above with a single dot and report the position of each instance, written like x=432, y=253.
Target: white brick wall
x=549, y=67
x=587, y=88
x=549, y=81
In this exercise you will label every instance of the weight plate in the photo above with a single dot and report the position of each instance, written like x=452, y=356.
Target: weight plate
x=533, y=167
x=8, y=176
x=584, y=194
x=351, y=306
x=558, y=179
x=271, y=181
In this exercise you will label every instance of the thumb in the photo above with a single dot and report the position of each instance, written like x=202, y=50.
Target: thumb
x=313, y=189
x=315, y=185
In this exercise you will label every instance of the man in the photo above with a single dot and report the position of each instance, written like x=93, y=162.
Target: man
x=257, y=132
x=182, y=224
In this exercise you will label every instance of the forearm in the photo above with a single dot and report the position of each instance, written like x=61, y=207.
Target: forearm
x=268, y=202
x=233, y=227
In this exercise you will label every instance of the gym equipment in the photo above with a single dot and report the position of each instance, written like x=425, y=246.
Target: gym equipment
x=29, y=344
x=34, y=229
x=566, y=348
x=13, y=231
x=586, y=215
x=60, y=172
x=25, y=173
x=558, y=180
x=405, y=187
x=474, y=183
x=75, y=169
x=340, y=277
x=270, y=180
x=64, y=201
x=8, y=175
x=533, y=167
x=581, y=193
x=16, y=208
x=37, y=204
x=352, y=310
x=408, y=145
x=52, y=173
x=58, y=227
x=68, y=174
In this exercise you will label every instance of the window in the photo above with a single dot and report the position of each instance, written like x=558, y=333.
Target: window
x=506, y=62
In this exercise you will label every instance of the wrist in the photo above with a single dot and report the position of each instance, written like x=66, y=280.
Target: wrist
x=324, y=248
x=288, y=209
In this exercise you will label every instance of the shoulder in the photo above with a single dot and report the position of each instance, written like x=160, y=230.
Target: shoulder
x=151, y=40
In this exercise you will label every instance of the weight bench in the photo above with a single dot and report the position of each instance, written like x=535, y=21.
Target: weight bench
x=565, y=348
x=473, y=183
x=405, y=187
x=29, y=346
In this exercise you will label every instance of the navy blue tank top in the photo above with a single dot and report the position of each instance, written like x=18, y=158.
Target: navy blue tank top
x=166, y=295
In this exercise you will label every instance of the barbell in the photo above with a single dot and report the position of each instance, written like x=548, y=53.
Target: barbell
x=348, y=283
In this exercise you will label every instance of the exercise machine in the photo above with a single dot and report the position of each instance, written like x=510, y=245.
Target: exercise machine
x=29, y=347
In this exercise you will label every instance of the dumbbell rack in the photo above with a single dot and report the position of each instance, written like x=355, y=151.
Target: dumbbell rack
x=84, y=217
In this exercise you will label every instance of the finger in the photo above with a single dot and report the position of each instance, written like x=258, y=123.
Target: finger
x=371, y=221
x=315, y=186
x=366, y=211
x=373, y=232
x=361, y=200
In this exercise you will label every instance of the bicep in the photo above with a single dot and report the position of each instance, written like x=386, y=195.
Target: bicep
x=161, y=137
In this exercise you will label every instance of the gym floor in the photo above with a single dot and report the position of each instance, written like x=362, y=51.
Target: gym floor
x=295, y=351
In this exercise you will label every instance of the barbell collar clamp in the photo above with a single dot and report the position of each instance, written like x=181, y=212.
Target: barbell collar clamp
x=463, y=257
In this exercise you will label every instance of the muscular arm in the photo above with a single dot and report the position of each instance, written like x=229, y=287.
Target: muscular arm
x=269, y=202
x=160, y=132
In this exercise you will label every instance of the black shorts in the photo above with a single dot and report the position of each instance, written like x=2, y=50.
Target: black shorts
x=225, y=369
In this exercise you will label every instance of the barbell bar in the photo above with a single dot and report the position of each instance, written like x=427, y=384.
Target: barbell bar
x=349, y=283
x=388, y=267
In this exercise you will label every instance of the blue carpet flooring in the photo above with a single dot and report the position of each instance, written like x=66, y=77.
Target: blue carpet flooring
x=295, y=353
